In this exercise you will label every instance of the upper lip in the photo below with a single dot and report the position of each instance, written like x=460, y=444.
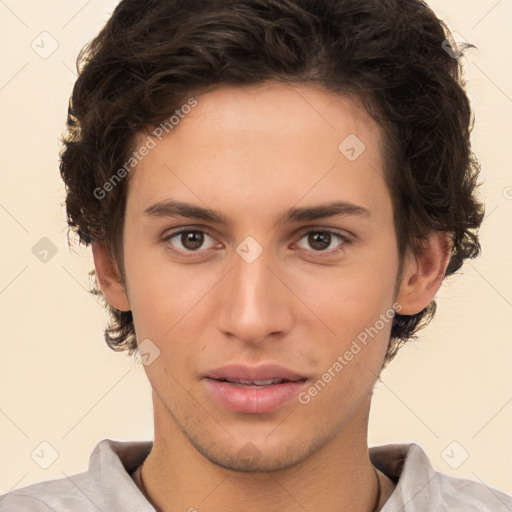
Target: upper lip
x=237, y=372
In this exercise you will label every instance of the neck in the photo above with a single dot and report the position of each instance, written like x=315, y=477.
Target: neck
x=337, y=476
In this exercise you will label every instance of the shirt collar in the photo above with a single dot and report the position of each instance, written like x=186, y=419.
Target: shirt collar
x=110, y=466
x=417, y=488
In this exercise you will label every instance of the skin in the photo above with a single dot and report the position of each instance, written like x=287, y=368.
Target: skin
x=253, y=153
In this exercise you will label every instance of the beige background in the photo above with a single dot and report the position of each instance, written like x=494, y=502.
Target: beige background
x=60, y=384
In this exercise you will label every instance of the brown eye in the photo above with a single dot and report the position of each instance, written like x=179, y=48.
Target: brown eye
x=188, y=241
x=320, y=240
x=192, y=240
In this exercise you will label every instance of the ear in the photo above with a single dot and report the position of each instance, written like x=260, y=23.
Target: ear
x=109, y=278
x=423, y=275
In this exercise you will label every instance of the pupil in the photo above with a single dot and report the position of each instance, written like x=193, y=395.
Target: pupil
x=192, y=239
x=314, y=238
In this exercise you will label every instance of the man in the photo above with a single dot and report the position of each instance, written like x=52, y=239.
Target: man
x=274, y=192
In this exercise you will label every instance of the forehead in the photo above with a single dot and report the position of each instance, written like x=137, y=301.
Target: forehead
x=255, y=147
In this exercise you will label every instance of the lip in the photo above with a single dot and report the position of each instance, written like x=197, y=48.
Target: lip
x=262, y=372
x=252, y=400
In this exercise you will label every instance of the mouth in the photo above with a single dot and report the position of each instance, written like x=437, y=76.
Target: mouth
x=255, y=384
x=264, y=374
x=253, y=390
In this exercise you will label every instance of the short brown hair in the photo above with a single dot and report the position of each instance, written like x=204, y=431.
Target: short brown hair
x=152, y=55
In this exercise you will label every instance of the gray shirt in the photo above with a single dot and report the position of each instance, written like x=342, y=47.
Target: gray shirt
x=107, y=485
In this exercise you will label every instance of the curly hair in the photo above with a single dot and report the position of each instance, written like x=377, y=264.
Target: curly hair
x=152, y=55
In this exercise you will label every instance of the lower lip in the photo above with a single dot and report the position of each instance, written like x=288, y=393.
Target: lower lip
x=253, y=400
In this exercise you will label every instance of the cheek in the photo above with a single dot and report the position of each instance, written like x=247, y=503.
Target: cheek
x=348, y=299
x=165, y=298
x=166, y=311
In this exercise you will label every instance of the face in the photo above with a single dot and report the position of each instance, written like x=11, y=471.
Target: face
x=272, y=279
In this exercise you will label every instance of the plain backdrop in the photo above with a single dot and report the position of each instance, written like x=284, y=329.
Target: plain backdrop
x=60, y=384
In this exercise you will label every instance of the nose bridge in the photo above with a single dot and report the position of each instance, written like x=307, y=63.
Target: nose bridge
x=254, y=302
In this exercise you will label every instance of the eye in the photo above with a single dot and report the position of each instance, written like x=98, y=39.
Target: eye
x=188, y=241
x=321, y=239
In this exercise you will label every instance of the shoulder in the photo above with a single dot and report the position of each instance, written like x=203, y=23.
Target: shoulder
x=474, y=496
x=420, y=488
x=59, y=495
x=106, y=485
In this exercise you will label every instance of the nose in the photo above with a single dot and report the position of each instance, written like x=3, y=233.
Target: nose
x=254, y=301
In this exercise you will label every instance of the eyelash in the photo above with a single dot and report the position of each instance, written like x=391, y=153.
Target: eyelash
x=321, y=253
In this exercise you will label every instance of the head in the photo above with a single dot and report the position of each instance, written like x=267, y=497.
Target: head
x=253, y=108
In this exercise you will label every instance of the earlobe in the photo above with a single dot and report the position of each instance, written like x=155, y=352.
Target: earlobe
x=423, y=275
x=108, y=277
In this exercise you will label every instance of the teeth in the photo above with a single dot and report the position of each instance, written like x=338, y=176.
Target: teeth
x=257, y=382
x=261, y=382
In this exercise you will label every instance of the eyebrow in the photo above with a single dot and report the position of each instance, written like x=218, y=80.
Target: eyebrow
x=173, y=208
